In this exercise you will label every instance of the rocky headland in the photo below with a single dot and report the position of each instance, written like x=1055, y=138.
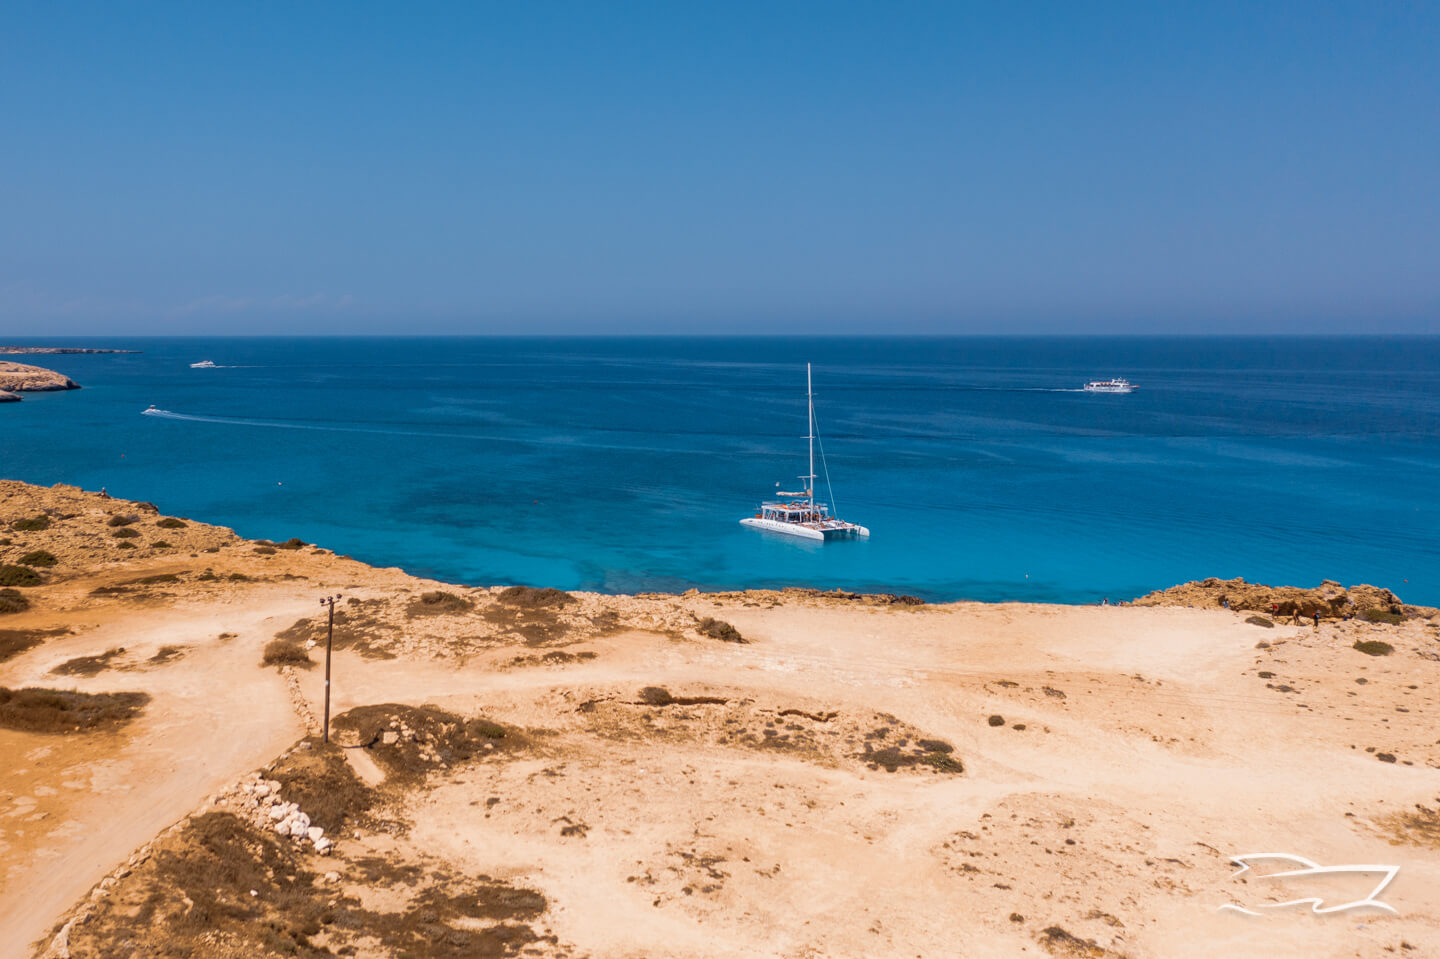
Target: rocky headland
x=16, y=378
x=1330, y=600
x=57, y=350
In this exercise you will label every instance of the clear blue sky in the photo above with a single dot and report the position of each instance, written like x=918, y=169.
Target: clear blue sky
x=686, y=167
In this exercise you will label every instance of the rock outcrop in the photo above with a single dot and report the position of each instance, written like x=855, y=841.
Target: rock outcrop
x=1329, y=599
x=8, y=397
x=24, y=378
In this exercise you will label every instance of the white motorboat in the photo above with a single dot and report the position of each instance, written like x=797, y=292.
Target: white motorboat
x=1109, y=386
x=203, y=365
x=798, y=514
x=151, y=410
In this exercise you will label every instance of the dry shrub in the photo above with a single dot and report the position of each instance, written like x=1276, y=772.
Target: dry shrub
x=118, y=521
x=424, y=737
x=718, y=629
x=18, y=576
x=166, y=654
x=33, y=525
x=171, y=522
x=1058, y=942
x=1373, y=647
x=293, y=542
x=126, y=532
x=1392, y=617
x=437, y=602
x=285, y=652
x=316, y=776
x=40, y=557
x=61, y=711
x=13, y=601
x=1259, y=621
x=529, y=597
x=88, y=665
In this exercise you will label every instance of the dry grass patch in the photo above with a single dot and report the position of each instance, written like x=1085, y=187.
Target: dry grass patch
x=316, y=776
x=528, y=597
x=356, y=628
x=408, y=742
x=1418, y=828
x=437, y=602
x=35, y=710
x=89, y=665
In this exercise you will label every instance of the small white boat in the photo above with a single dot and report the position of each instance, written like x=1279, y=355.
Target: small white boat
x=203, y=365
x=797, y=514
x=1109, y=386
x=151, y=410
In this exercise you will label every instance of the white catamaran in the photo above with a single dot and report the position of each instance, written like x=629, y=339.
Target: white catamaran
x=797, y=514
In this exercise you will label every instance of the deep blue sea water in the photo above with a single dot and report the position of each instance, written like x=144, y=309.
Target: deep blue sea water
x=624, y=464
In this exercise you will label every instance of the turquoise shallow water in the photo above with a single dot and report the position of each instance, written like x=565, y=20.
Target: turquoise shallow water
x=625, y=464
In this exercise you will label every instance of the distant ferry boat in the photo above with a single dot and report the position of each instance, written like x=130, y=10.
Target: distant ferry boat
x=202, y=365
x=1109, y=386
x=797, y=514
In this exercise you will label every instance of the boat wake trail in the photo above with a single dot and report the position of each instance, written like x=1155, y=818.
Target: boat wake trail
x=283, y=425
x=526, y=440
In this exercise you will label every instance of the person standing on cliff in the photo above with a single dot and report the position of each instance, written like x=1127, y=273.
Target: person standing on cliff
x=1317, y=619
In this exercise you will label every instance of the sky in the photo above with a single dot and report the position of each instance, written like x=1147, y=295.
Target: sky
x=788, y=167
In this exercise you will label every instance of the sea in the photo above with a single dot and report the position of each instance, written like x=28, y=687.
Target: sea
x=624, y=464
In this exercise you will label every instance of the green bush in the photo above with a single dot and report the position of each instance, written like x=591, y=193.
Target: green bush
x=13, y=601
x=171, y=522
x=1378, y=615
x=18, y=576
x=33, y=525
x=39, y=557
x=126, y=533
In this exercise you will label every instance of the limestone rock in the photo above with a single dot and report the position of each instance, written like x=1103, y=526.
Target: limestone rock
x=22, y=377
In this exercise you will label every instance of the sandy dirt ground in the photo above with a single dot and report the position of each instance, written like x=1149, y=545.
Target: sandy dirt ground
x=856, y=778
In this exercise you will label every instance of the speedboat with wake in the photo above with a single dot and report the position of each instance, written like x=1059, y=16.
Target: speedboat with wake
x=203, y=365
x=798, y=514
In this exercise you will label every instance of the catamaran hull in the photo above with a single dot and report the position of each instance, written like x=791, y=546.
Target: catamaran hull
x=848, y=531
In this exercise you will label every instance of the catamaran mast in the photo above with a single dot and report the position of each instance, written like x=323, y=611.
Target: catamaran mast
x=810, y=402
